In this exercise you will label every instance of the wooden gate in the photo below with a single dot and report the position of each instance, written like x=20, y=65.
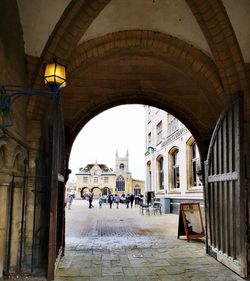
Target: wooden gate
x=225, y=191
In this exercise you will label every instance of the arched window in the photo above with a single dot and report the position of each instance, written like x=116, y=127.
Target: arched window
x=149, y=176
x=120, y=184
x=174, y=172
x=160, y=173
x=194, y=159
x=121, y=166
x=193, y=164
x=137, y=190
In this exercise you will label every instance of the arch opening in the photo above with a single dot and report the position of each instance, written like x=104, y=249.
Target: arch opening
x=159, y=152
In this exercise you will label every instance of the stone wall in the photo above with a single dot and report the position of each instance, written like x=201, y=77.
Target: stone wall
x=12, y=142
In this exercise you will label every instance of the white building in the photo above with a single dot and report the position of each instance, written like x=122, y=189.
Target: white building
x=172, y=161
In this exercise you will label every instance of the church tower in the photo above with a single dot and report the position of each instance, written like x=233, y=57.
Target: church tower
x=121, y=163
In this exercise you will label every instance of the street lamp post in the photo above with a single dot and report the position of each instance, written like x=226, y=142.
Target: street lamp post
x=54, y=77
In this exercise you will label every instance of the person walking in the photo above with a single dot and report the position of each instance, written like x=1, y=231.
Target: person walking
x=110, y=200
x=70, y=198
x=100, y=202
x=117, y=200
x=127, y=200
x=91, y=195
x=132, y=198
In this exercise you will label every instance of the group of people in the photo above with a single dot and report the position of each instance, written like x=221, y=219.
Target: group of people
x=116, y=199
x=113, y=199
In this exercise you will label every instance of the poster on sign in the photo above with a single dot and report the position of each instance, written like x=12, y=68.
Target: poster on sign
x=190, y=221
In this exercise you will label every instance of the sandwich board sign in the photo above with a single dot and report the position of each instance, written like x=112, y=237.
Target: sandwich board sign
x=190, y=221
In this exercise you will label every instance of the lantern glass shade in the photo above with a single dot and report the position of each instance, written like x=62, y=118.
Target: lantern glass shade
x=55, y=74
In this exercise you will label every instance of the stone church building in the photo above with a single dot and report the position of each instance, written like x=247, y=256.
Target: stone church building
x=65, y=61
x=98, y=178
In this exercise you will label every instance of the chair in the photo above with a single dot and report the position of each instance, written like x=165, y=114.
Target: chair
x=156, y=207
x=144, y=207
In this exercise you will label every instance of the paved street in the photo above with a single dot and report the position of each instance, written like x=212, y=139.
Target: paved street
x=121, y=244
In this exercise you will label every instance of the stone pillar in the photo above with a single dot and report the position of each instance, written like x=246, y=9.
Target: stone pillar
x=4, y=184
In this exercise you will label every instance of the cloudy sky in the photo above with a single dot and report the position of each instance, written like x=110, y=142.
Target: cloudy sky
x=120, y=128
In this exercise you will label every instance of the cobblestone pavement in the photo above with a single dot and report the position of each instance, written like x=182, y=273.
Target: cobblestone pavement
x=121, y=244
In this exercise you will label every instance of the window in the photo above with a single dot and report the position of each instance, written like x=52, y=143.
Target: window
x=172, y=124
x=149, y=139
x=149, y=177
x=121, y=166
x=194, y=161
x=159, y=132
x=176, y=172
x=120, y=184
x=85, y=179
x=174, y=175
x=106, y=179
x=160, y=173
x=95, y=180
x=137, y=190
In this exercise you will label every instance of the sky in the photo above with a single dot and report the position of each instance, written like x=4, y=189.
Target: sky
x=120, y=128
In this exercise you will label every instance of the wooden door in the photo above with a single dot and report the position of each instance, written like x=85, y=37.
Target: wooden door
x=225, y=191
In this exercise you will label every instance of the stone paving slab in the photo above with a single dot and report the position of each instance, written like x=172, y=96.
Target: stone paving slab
x=122, y=245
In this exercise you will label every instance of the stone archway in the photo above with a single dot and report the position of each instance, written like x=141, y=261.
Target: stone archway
x=105, y=191
x=88, y=94
x=222, y=74
x=97, y=61
x=83, y=190
x=96, y=190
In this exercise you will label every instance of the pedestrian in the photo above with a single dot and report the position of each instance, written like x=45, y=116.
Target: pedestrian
x=141, y=199
x=91, y=195
x=100, y=200
x=127, y=200
x=123, y=198
x=70, y=198
x=117, y=200
x=132, y=198
x=110, y=200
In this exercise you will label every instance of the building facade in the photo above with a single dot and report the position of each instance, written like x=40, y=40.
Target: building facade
x=98, y=178
x=188, y=57
x=173, y=170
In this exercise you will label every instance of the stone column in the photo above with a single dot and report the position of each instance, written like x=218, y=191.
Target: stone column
x=4, y=184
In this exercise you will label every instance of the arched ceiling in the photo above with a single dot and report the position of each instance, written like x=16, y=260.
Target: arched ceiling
x=187, y=57
x=165, y=16
x=39, y=18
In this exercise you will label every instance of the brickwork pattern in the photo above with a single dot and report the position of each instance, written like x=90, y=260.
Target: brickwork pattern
x=223, y=74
